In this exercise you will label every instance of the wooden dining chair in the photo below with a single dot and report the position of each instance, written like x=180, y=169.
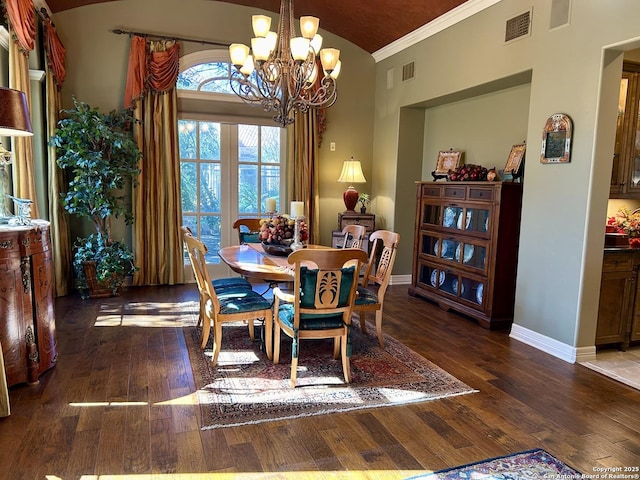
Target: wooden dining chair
x=324, y=291
x=226, y=303
x=370, y=294
x=248, y=229
x=353, y=236
x=219, y=284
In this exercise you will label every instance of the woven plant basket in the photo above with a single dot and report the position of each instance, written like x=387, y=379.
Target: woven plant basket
x=97, y=289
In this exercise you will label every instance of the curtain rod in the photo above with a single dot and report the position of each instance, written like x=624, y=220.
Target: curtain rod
x=118, y=31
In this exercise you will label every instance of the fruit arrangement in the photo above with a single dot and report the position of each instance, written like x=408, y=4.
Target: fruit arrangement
x=468, y=172
x=279, y=230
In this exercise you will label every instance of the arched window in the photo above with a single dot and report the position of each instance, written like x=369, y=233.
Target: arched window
x=231, y=154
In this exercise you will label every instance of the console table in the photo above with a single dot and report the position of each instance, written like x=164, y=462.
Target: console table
x=27, y=321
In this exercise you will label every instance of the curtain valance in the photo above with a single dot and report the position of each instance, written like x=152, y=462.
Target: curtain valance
x=55, y=52
x=22, y=17
x=152, y=66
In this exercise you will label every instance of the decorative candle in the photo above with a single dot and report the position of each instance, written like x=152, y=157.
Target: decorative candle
x=271, y=204
x=297, y=209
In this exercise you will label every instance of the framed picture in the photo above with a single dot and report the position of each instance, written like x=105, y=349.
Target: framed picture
x=448, y=160
x=515, y=159
x=556, y=139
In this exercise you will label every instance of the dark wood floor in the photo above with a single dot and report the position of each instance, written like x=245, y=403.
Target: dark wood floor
x=120, y=402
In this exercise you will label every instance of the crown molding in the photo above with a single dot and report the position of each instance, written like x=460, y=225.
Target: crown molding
x=458, y=14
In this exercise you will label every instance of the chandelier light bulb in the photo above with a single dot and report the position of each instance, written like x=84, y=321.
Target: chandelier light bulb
x=238, y=53
x=261, y=25
x=260, y=48
x=272, y=39
x=248, y=67
x=329, y=58
x=309, y=26
x=299, y=48
x=316, y=43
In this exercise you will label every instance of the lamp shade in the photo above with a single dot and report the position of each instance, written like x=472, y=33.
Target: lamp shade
x=14, y=114
x=351, y=173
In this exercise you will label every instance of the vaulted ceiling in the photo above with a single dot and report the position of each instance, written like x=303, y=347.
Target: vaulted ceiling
x=370, y=24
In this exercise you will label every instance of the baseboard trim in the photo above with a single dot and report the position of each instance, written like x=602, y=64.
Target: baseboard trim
x=400, y=280
x=552, y=346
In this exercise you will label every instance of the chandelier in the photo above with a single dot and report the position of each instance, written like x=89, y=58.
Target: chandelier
x=280, y=70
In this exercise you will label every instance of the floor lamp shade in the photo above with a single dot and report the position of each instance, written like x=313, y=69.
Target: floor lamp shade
x=351, y=173
x=14, y=114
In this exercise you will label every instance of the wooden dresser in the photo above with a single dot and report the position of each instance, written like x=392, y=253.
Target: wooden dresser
x=27, y=323
x=466, y=248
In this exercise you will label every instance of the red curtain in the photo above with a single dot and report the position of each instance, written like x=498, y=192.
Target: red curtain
x=55, y=53
x=22, y=16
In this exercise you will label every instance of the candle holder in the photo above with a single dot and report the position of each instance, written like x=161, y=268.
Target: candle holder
x=297, y=244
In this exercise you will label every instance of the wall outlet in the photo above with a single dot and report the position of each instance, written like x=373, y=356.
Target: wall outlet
x=332, y=146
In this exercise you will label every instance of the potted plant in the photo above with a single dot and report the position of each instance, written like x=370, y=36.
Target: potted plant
x=100, y=158
x=364, y=200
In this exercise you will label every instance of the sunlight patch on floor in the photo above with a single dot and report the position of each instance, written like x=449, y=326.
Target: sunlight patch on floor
x=147, y=314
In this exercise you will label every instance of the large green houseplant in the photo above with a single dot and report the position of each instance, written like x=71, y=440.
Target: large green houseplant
x=100, y=159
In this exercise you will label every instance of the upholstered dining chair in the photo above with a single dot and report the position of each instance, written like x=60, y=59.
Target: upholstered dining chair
x=321, y=303
x=248, y=229
x=370, y=294
x=226, y=302
x=353, y=236
x=219, y=284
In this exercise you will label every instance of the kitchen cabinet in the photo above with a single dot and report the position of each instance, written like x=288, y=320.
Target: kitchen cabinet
x=618, y=295
x=625, y=173
x=466, y=248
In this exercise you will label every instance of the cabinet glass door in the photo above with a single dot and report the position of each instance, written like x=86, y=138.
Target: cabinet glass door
x=430, y=214
x=617, y=175
x=477, y=220
x=634, y=154
x=472, y=291
x=471, y=255
x=429, y=244
x=452, y=216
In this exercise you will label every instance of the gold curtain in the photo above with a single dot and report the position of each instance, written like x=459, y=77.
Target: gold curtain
x=302, y=167
x=58, y=217
x=157, y=198
x=22, y=147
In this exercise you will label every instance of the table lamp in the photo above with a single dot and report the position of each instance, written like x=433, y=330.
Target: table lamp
x=351, y=173
x=14, y=122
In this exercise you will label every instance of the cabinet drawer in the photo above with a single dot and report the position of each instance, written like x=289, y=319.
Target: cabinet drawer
x=366, y=220
x=457, y=192
x=481, y=194
x=431, y=191
x=615, y=262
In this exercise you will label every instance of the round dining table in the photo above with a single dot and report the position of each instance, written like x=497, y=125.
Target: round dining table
x=250, y=260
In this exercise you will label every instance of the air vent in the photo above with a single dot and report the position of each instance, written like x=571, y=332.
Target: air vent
x=408, y=71
x=518, y=27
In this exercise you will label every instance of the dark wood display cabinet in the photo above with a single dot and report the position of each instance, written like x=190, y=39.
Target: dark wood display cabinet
x=27, y=322
x=466, y=248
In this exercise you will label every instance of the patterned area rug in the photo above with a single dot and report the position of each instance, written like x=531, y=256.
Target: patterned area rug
x=247, y=388
x=529, y=465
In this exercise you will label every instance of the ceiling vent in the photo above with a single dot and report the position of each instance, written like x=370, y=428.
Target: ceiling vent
x=518, y=27
x=408, y=71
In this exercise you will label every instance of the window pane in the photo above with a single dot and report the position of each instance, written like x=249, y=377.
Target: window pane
x=210, y=236
x=248, y=143
x=209, y=141
x=247, y=188
x=210, y=187
x=210, y=77
x=187, y=139
x=270, y=139
x=270, y=184
x=188, y=185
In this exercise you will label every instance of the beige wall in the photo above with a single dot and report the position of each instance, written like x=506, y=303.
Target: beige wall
x=564, y=205
x=97, y=61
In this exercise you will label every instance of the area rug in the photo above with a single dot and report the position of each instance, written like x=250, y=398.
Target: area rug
x=529, y=465
x=247, y=388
